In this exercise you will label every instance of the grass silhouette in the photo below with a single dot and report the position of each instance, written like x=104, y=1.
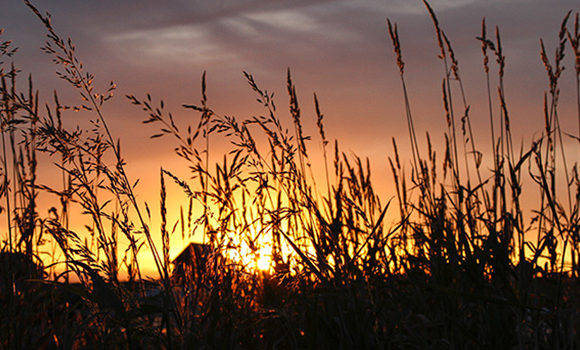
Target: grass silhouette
x=460, y=268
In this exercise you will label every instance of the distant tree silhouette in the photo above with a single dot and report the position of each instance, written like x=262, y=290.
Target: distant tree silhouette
x=16, y=269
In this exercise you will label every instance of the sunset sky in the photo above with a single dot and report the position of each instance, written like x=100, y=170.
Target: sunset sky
x=338, y=49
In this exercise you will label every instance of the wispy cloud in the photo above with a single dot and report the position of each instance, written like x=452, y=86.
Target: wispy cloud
x=231, y=35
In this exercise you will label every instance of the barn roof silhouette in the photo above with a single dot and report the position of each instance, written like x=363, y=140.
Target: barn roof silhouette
x=192, y=260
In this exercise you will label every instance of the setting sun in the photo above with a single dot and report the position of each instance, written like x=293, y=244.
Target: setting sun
x=252, y=174
x=264, y=261
x=259, y=258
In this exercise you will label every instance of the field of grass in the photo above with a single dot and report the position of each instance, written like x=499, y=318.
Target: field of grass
x=462, y=266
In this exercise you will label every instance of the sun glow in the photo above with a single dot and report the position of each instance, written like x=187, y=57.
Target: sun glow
x=256, y=256
x=264, y=259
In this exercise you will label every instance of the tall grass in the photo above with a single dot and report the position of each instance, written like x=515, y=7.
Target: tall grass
x=460, y=268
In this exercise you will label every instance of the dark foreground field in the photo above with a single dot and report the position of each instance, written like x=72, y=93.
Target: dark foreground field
x=462, y=266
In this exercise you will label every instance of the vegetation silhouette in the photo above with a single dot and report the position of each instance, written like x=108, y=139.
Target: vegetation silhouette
x=460, y=268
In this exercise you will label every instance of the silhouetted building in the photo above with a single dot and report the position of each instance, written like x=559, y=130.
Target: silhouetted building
x=191, y=263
